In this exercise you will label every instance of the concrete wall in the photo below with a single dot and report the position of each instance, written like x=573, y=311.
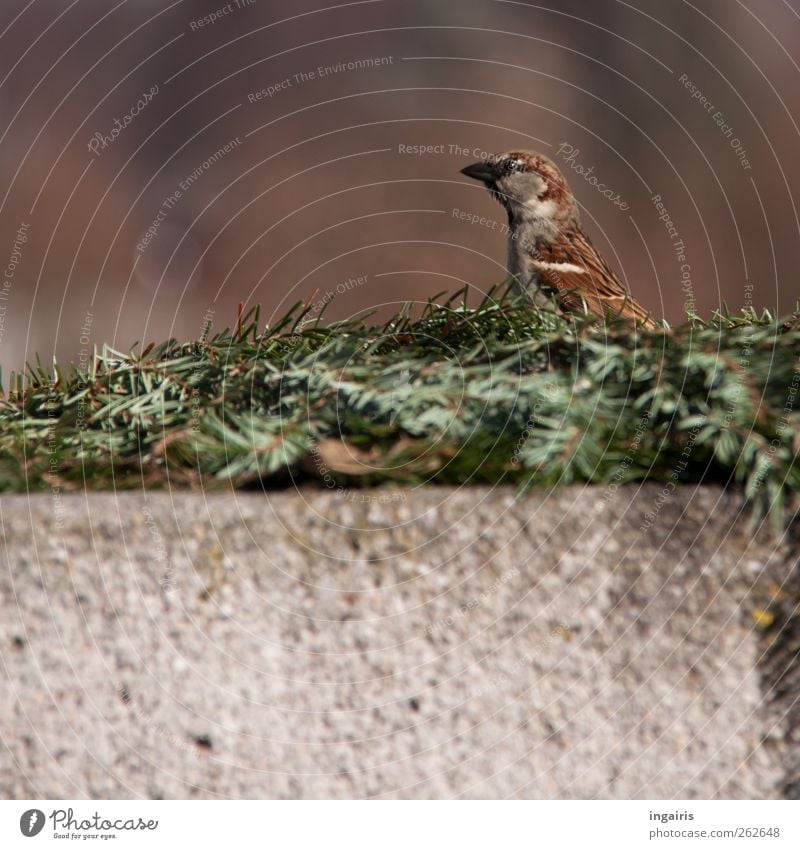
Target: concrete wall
x=387, y=643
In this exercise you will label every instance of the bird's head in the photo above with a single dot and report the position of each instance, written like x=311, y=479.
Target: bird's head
x=530, y=187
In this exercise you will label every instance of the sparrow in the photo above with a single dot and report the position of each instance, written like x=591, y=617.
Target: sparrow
x=548, y=252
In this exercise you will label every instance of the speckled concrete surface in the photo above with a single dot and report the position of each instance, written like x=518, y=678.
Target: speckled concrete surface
x=428, y=644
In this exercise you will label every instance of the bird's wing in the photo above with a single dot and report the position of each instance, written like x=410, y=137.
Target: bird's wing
x=574, y=271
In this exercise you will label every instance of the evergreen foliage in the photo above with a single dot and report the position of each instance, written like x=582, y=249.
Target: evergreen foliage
x=495, y=393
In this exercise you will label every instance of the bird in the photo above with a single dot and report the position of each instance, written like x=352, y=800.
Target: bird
x=548, y=252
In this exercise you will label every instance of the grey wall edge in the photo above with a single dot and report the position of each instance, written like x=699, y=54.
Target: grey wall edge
x=584, y=642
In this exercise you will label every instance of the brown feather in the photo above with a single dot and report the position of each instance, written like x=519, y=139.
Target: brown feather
x=596, y=289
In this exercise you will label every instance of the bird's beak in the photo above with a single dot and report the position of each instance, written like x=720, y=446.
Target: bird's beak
x=482, y=171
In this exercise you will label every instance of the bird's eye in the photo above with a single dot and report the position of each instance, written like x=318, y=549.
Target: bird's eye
x=511, y=166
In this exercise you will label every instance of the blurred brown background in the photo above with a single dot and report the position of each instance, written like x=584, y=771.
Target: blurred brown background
x=317, y=189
